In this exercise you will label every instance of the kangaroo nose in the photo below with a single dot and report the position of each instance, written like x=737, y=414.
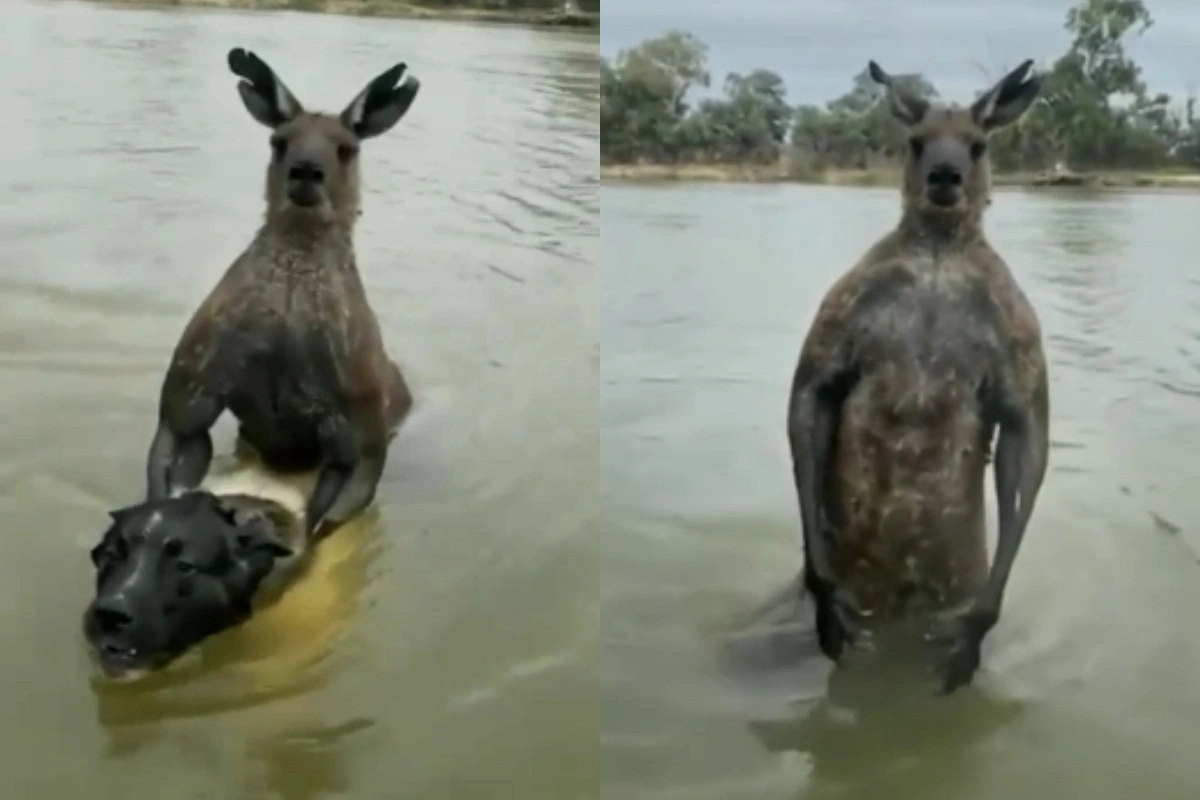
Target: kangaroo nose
x=944, y=175
x=112, y=615
x=306, y=172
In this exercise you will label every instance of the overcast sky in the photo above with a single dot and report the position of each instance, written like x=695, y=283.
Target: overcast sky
x=818, y=45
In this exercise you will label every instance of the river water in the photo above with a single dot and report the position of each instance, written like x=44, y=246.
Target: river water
x=458, y=659
x=1090, y=685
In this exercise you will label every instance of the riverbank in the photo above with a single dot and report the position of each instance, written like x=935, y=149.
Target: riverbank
x=778, y=173
x=386, y=8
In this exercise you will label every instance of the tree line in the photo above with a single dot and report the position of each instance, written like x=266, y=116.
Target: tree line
x=587, y=6
x=1094, y=112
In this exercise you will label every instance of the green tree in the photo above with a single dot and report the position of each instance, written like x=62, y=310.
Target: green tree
x=750, y=123
x=1094, y=111
x=1090, y=110
x=669, y=66
x=636, y=123
x=645, y=113
x=855, y=128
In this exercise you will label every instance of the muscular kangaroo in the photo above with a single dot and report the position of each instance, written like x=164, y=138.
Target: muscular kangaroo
x=287, y=341
x=916, y=357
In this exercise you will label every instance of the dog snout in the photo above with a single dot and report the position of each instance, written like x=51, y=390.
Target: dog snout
x=306, y=172
x=112, y=615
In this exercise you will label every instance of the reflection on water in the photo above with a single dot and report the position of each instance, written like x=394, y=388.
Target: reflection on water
x=300, y=761
x=450, y=644
x=1087, y=686
x=320, y=751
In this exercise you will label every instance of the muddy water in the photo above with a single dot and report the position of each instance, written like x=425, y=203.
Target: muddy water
x=1090, y=685
x=451, y=647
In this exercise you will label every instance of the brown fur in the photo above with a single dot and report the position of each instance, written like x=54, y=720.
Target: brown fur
x=287, y=340
x=292, y=276
x=916, y=357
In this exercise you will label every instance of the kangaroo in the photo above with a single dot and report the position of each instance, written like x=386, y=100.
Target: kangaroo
x=915, y=358
x=287, y=341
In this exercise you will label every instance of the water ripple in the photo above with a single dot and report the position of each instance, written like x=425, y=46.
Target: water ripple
x=699, y=516
x=122, y=207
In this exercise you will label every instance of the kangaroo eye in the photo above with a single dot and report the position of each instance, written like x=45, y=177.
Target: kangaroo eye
x=917, y=146
x=279, y=146
x=185, y=567
x=978, y=148
x=346, y=152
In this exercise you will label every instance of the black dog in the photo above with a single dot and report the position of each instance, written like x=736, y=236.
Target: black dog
x=171, y=573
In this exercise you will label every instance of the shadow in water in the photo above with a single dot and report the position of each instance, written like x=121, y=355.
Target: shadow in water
x=305, y=763
x=302, y=760
x=878, y=728
x=777, y=634
x=876, y=734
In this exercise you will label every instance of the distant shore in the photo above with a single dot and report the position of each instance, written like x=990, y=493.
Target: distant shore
x=385, y=8
x=779, y=173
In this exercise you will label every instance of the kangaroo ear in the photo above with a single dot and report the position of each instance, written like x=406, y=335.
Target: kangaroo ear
x=1009, y=99
x=905, y=106
x=265, y=96
x=382, y=103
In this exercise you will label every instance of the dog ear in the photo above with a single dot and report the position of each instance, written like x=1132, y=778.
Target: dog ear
x=117, y=518
x=97, y=553
x=254, y=530
x=256, y=535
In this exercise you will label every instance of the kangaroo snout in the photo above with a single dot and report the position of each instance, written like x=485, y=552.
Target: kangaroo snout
x=944, y=175
x=305, y=183
x=306, y=172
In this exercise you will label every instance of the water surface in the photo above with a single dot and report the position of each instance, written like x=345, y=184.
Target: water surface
x=457, y=653
x=1089, y=685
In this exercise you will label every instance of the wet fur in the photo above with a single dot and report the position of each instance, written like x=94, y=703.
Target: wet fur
x=287, y=340
x=917, y=356
x=913, y=434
